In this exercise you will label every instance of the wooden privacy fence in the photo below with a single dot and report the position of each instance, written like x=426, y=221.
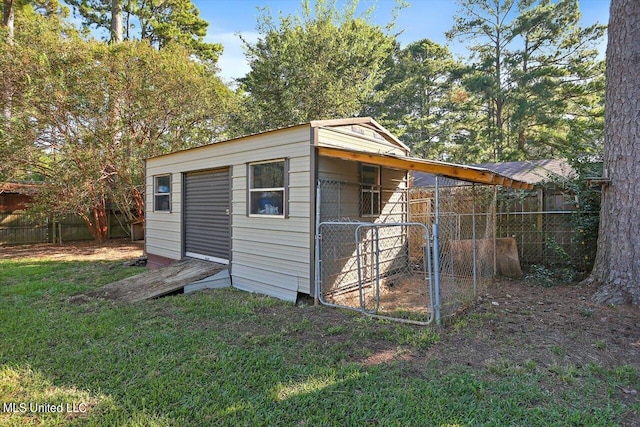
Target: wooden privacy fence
x=18, y=228
x=544, y=223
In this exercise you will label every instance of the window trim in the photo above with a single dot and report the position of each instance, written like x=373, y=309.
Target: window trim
x=371, y=189
x=157, y=193
x=284, y=189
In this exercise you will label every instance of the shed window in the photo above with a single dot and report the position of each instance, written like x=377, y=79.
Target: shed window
x=369, y=190
x=162, y=193
x=268, y=188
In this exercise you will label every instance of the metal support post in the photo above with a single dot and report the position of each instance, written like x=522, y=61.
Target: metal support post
x=473, y=236
x=494, y=219
x=318, y=237
x=436, y=256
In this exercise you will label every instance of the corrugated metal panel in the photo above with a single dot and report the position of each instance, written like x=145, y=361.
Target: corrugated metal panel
x=206, y=213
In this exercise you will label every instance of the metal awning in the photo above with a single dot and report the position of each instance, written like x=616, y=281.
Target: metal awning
x=449, y=170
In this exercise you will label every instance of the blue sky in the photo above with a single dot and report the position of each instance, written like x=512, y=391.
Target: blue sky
x=422, y=19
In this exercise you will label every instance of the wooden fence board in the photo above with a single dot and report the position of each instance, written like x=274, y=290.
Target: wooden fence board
x=19, y=228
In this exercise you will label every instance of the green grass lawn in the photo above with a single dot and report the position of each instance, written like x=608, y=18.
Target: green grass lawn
x=227, y=357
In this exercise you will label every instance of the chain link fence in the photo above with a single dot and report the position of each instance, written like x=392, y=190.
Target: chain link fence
x=466, y=219
x=379, y=269
x=380, y=263
x=369, y=258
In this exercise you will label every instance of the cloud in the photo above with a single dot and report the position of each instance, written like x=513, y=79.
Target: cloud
x=232, y=63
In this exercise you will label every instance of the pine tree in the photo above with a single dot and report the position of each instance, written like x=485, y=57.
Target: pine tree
x=536, y=72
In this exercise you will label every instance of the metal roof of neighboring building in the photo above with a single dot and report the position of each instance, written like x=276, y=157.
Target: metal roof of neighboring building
x=530, y=171
x=28, y=188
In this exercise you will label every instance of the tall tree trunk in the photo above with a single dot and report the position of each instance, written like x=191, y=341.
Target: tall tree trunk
x=617, y=264
x=96, y=221
x=522, y=139
x=8, y=20
x=499, y=128
x=522, y=136
x=116, y=102
x=138, y=199
x=116, y=21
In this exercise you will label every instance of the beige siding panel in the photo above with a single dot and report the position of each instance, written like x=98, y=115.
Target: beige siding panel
x=299, y=194
x=162, y=251
x=394, y=205
x=258, y=287
x=286, y=143
x=396, y=176
x=304, y=285
x=333, y=138
x=300, y=163
x=163, y=235
x=338, y=170
x=295, y=225
x=249, y=278
x=163, y=245
x=164, y=224
x=265, y=263
x=277, y=248
x=165, y=230
x=343, y=171
x=269, y=255
x=392, y=240
x=299, y=209
x=293, y=239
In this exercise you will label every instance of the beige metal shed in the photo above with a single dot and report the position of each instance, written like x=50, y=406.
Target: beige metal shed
x=250, y=202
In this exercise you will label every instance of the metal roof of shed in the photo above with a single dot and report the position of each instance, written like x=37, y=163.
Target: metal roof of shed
x=451, y=170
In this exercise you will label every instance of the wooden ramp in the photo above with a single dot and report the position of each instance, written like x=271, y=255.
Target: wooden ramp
x=158, y=282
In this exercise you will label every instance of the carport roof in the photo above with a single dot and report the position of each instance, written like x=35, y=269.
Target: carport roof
x=450, y=170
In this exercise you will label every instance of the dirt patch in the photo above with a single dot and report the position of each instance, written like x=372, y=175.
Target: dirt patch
x=511, y=321
x=556, y=326
x=111, y=250
x=516, y=323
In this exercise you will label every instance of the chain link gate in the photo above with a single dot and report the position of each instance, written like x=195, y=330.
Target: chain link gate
x=380, y=269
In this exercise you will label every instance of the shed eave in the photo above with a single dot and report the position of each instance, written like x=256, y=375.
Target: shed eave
x=450, y=170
